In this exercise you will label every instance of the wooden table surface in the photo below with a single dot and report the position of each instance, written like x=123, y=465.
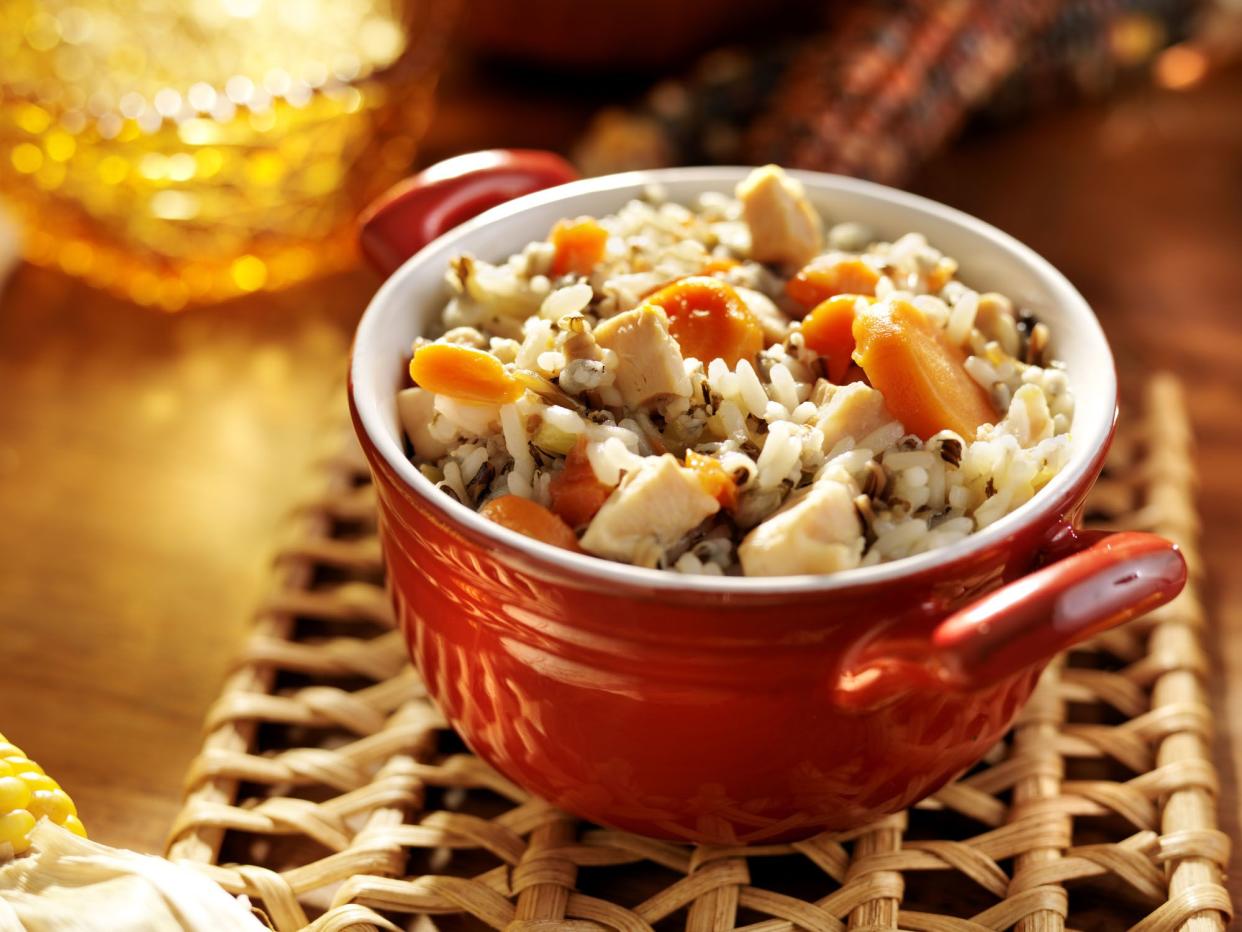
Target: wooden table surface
x=147, y=461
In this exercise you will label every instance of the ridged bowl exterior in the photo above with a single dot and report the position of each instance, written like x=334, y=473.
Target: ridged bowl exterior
x=736, y=710
x=674, y=715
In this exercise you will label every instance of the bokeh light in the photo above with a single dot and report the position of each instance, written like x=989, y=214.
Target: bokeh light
x=182, y=151
x=1180, y=67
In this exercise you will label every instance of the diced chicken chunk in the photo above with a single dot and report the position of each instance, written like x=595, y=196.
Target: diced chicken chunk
x=649, y=366
x=771, y=318
x=415, y=410
x=853, y=410
x=651, y=509
x=819, y=533
x=784, y=227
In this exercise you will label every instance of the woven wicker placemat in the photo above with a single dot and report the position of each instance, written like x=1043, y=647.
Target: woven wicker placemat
x=331, y=792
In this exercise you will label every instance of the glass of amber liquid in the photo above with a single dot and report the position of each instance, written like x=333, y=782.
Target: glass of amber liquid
x=186, y=151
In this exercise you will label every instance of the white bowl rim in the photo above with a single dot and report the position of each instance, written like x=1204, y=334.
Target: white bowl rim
x=1041, y=508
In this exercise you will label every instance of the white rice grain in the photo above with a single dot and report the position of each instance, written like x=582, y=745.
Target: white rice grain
x=936, y=486
x=898, y=540
x=550, y=363
x=933, y=309
x=734, y=462
x=849, y=237
x=959, y=498
x=784, y=388
x=472, y=462
x=519, y=484
x=610, y=458
x=537, y=338
x=751, y=389
x=916, y=476
x=569, y=300
x=471, y=419
x=961, y=526
x=897, y=460
x=882, y=437
x=564, y=420
x=780, y=455
x=775, y=411
x=453, y=479
x=981, y=371
x=804, y=412
x=734, y=422
x=517, y=442
x=962, y=317
x=937, y=491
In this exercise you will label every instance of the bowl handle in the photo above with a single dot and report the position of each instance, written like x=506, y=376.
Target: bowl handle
x=413, y=212
x=1097, y=580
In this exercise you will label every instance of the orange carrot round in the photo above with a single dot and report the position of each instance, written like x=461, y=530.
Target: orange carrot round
x=921, y=374
x=716, y=268
x=829, y=330
x=713, y=478
x=463, y=373
x=709, y=319
x=720, y=265
x=826, y=276
x=575, y=491
x=532, y=519
x=579, y=245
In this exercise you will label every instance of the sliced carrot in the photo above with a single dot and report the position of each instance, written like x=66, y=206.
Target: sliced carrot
x=463, y=373
x=713, y=478
x=717, y=268
x=576, y=492
x=709, y=319
x=829, y=330
x=579, y=245
x=720, y=265
x=826, y=276
x=920, y=373
x=532, y=519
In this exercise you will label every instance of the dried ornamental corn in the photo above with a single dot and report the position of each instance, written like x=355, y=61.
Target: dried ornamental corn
x=27, y=794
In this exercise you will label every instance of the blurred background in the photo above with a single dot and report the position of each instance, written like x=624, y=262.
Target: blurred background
x=179, y=181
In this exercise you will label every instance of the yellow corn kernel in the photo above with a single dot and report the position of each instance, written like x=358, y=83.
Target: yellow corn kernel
x=14, y=794
x=37, y=781
x=51, y=804
x=22, y=764
x=27, y=794
x=15, y=829
x=74, y=825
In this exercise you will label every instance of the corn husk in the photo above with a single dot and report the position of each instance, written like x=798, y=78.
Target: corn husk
x=69, y=884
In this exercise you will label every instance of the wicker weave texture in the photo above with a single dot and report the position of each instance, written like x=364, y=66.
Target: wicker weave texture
x=331, y=792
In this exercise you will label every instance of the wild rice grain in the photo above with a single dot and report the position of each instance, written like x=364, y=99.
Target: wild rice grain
x=764, y=420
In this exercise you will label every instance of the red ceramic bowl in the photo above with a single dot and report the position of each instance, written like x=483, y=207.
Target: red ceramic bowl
x=731, y=710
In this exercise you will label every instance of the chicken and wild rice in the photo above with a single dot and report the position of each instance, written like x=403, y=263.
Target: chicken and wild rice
x=729, y=387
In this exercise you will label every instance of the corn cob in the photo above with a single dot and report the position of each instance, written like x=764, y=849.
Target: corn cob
x=27, y=794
